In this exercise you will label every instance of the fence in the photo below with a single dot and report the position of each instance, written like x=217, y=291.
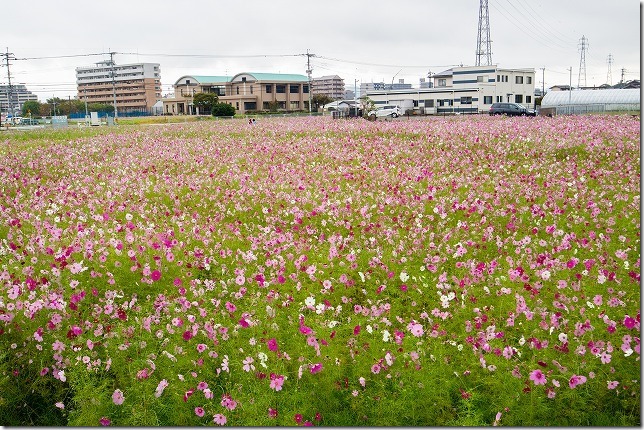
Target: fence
x=125, y=114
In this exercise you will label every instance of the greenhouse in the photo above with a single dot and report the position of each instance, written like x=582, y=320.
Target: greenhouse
x=585, y=101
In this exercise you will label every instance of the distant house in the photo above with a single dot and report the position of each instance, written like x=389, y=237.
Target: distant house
x=560, y=88
x=246, y=92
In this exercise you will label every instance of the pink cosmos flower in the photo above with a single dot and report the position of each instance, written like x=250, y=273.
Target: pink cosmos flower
x=155, y=275
x=417, y=330
x=160, y=388
x=104, y=421
x=612, y=385
x=315, y=368
x=272, y=413
x=272, y=344
x=228, y=402
x=629, y=322
x=276, y=382
x=219, y=419
x=199, y=411
x=576, y=380
x=118, y=397
x=538, y=377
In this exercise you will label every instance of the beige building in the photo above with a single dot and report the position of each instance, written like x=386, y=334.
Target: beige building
x=332, y=86
x=246, y=92
x=137, y=86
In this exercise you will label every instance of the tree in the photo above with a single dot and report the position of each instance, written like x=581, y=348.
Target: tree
x=273, y=106
x=31, y=107
x=205, y=102
x=368, y=105
x=223, y=109
x=320, y=100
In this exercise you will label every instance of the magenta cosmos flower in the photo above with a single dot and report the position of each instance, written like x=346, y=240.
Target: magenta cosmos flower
x=538, y=377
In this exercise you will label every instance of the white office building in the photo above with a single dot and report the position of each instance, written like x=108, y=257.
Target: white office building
x=471, y=89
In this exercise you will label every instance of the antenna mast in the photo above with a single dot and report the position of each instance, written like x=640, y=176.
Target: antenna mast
x=583, y=45
x=483, y=42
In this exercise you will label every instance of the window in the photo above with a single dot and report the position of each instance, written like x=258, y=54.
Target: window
x=280, y=89
x=187, y=81
x=518, y=98
x=466, y=100
x=518, y=79
x=244, y=79
x=442, y=82
x=499, y=99
x=305, y=90
x=294, y=89
x=528, y=99
x=269, y=89
x=487, y=100
x=251, y=89
x=295, y=105
x=237, y=89
x=481, y=79
x=528, y=79
x=237, y=105
x=429, y=103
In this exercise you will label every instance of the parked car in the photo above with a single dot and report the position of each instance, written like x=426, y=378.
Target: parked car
x=511, y=109
x=387, y=110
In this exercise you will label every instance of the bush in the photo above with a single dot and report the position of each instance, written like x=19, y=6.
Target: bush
x=223, y=109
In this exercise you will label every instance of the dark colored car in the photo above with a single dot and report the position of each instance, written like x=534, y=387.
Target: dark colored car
x=512, y=109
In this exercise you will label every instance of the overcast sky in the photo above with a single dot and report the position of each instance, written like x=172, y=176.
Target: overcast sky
x=371, y=41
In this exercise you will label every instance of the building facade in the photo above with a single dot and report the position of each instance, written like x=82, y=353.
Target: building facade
x=331, y=86
x=13, y=97
x=471, y=89
x=137, y=86
x=246, y=92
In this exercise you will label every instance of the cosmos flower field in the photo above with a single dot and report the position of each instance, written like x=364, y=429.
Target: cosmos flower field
x=309, y=271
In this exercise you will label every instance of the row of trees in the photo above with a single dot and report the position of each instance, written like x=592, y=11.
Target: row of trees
x=206, y=102
x=209, y=103
x=58, y=106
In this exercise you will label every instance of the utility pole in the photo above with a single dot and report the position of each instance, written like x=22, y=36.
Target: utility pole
x=113, y=84
x=7, y=57
x=583, y=45
x=308, y=72
x=621, y=81
x=543, y=82
x=570, y=93
x=483, y=42
x=609, y=77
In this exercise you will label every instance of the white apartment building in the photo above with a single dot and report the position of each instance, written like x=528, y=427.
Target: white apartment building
x=137, y=86
x=470, y=89
x=332, y=86
x=13, y=97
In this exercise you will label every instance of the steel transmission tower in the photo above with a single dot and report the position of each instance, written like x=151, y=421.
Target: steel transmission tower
x=609, y=77
x=583, y=45
x=483, y=42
